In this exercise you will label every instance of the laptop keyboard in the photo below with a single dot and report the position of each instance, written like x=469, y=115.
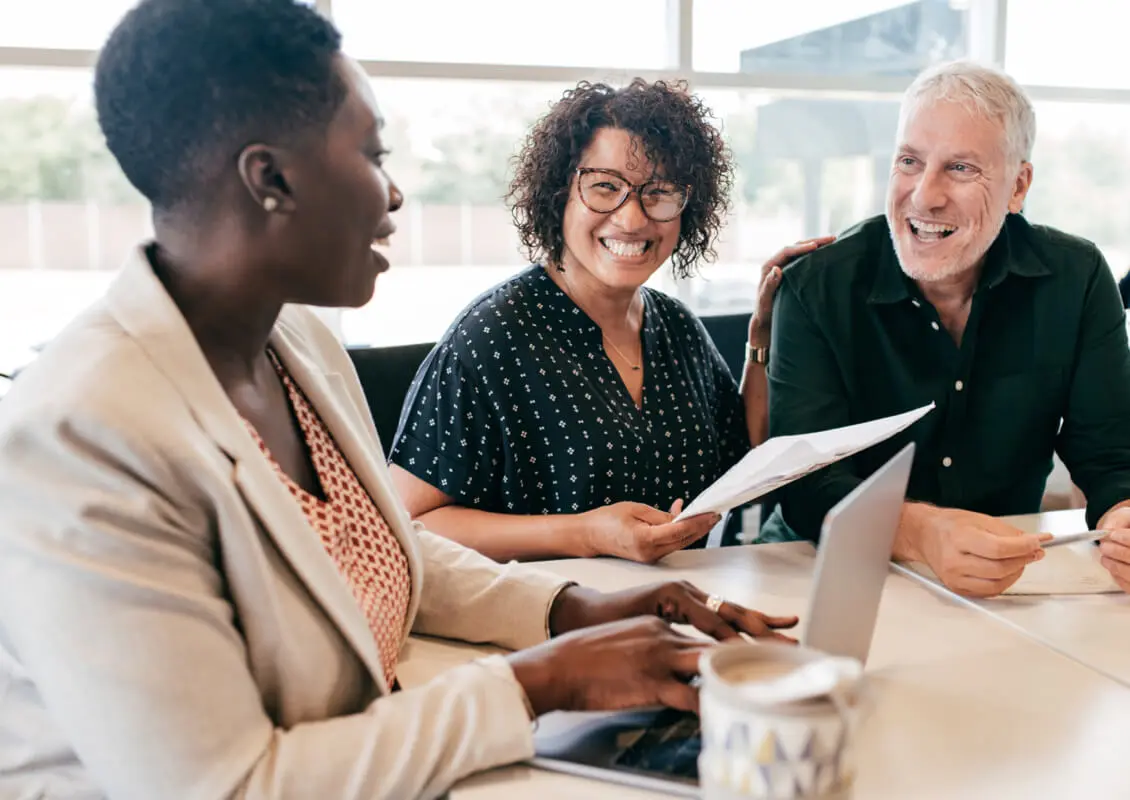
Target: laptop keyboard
x=668, y=746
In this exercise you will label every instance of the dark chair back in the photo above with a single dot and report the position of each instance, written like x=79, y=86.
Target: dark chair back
x=386, y=373
x=729, y=332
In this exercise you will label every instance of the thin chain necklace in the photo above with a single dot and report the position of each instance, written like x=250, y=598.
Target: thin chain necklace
x=603, y=335
x=628, y=361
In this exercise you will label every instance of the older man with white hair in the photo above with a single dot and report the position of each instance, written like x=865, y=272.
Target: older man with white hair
x=1016, y=331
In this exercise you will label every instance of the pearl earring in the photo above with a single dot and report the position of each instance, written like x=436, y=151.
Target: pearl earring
x=270, y=204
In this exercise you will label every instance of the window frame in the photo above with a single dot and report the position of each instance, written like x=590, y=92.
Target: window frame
x=988, y=38
x=988, y=45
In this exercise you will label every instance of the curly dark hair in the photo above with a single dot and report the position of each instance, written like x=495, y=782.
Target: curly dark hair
x=672, y=125
x=181, y=86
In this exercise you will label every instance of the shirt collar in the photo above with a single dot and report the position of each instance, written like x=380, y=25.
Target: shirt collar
x=569, y=314
x=1008, y=254
x=569, y=317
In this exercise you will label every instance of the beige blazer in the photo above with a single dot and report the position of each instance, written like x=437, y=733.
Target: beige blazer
x=170, y=626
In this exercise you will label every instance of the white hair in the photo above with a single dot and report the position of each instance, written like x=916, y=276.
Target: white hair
x=983, y=90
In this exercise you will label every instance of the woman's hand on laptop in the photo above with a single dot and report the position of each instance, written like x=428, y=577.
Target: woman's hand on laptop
x=678, y=602
x=625, y=664
x=972, y=554
x=618, y=650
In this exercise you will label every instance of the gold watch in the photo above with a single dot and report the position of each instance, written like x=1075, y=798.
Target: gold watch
x=758, y=355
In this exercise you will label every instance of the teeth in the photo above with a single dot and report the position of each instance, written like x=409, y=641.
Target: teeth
x=931, y=227
x=616, y=247
x=382, y=242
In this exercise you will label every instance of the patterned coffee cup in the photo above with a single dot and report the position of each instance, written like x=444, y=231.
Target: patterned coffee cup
x=754, y=749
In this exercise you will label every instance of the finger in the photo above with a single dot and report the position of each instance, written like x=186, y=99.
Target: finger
x=657, y=550
x=753, y=622
x=649, y=515
x=766, y=292
x=676, y=507
x=679, y=695
x=682, y=660
x=689, y=530
x=1115, y=551
x=766, y=270
x=995, y=569
x=709, y=622
x=993, y=545
x=769, y=280
x=786, y=254
x=1118, y=570
x=998, y=527
x=984, y=587
x=658, y=541
x=775, y=622
x=1119, y=536
x=820, y=241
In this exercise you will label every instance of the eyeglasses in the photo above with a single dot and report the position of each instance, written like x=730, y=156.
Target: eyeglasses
x=604, y=191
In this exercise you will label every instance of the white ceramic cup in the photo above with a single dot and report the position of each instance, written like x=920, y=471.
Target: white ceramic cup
x=788, y=750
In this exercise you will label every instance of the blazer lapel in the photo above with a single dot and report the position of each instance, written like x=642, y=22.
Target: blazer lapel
x=140, y=304
x=283, y=519
x=328, y=394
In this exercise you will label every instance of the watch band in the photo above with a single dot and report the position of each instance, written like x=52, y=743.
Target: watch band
x=758, y=355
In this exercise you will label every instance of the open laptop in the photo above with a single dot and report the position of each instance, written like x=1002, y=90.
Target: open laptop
x=658, y=749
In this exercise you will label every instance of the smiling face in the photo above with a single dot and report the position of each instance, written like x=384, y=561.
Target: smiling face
x=952, y=185
x=624, y=248
x=343, y=199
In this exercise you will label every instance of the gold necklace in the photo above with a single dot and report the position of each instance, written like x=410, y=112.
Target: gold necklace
x=604, y=336
x=628, y=361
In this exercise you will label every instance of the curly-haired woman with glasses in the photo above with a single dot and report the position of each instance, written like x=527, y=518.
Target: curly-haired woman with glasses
x=570, y=411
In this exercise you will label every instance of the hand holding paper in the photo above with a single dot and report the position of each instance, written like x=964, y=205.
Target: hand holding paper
x=784, y=459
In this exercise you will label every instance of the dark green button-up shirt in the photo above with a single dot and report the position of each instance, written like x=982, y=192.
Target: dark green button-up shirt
x=1043, y=367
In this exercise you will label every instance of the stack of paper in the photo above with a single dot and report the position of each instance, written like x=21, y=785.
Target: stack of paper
x=783, y=459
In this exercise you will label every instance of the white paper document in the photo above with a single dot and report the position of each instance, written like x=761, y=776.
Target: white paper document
x=783, y=459
x=1070, y=569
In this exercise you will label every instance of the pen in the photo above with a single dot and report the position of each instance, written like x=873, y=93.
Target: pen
x=1072, y=538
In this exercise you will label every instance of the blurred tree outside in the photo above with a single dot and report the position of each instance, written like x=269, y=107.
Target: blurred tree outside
x=53, y=152
x=1081, y=185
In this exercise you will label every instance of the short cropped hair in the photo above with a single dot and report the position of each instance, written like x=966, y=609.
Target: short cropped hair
x=182, y=86
x=983, y=90
x=674, y=129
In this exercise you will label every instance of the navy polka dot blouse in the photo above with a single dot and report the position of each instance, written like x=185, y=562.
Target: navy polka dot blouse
x=519, y=410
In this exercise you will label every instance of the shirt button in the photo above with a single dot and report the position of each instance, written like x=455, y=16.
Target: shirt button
x=947, y=462
x=935, y=326
x=959, y=386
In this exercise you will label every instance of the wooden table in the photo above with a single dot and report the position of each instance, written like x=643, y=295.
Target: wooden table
x=965, y=706
x=1091, y=629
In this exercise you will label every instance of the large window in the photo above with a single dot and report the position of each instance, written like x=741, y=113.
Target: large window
x=832, y=37
x=1082, y=175
x=451, y=145
x=581, y=33
x=805, y=92
x=68, y=24
x=1067, y=43
x=67, y=215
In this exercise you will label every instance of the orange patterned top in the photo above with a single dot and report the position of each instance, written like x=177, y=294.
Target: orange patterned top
x=352, y=530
